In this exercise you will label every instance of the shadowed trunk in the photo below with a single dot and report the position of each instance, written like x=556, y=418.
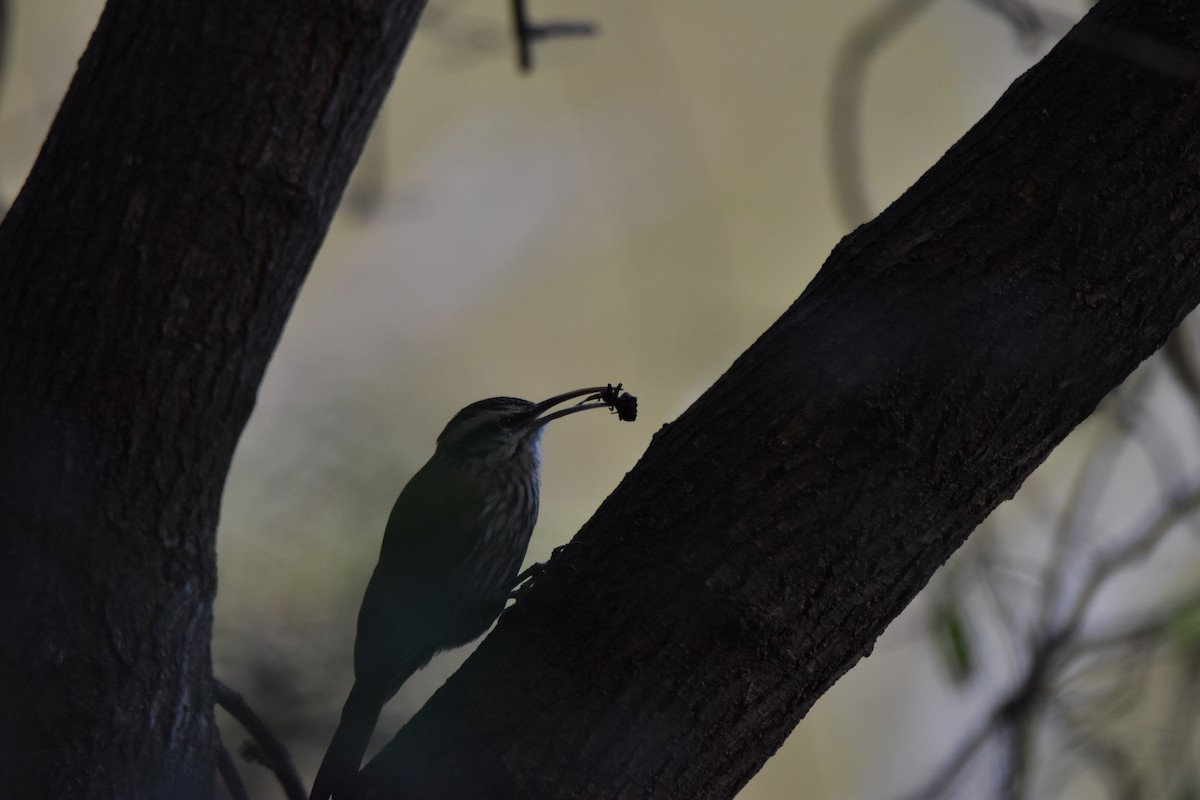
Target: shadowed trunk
x=146, y=270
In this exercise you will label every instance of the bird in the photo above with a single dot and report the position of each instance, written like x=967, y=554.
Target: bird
x=451, y=551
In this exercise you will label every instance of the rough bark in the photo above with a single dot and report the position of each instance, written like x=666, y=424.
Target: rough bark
x=146, y=270
x=770, y=534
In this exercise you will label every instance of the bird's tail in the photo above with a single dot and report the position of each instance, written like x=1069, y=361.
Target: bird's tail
x=349, y=744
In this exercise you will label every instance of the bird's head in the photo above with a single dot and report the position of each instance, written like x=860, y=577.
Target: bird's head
x=502, y=427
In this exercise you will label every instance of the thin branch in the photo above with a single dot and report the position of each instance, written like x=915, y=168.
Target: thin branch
x=1122, y=687
x=999, y=601
x=1019, y=712
x=268, y=750
x=1160, y=447
x=229, y=774
x=854, y=55
x=1093, y=476
x=1138, y=636
x=528, y=32
x=1179, y=355
x=1182, y=719
x=1137, y=546
x=1124, y=781
x=464, y=36
x=860, y=46
x=1030, y=23
x=1020, y=754
x=948, y=774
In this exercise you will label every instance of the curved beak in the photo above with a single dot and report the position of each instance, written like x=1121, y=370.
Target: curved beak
x=592, y=393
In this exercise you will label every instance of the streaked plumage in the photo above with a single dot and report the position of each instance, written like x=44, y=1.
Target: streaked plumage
x=451, y=552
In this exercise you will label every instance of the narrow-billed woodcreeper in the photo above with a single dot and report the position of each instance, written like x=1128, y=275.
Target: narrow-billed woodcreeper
x=453, y=545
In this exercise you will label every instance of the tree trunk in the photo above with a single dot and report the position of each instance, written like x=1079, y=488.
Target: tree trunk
x=769, y=535
x=146, y=270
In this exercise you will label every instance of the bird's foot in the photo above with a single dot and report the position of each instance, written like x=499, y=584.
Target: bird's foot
x=525, y=579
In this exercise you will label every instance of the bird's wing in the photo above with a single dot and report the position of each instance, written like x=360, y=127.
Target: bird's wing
x=434, y=523
x=430, y=533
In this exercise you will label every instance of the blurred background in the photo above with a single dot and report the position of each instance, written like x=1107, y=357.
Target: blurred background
x=638, y=209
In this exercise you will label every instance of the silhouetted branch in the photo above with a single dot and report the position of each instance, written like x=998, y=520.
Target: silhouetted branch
x=1135, y=547
x=886, y=22
x=850, y=64
x=946, y=776
x=1019, y=732
x=1123, y=780
x=230, y=775
x=466, y=36
x=266, y=748
x=1075, y=518
x=1030, y=23
x=528, y=32
x=1180, y=356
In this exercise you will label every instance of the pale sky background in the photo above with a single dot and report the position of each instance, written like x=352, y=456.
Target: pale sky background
x=638, y=209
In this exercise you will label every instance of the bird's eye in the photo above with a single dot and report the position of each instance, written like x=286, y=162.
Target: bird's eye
x=488, y=430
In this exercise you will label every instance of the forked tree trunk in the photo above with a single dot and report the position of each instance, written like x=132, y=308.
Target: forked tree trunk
x=146, y=270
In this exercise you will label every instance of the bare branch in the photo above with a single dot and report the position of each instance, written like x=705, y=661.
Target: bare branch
x=269, y=750
x=1137, y=546
x=1179, y=354
x=1030, y=23
x=944, y=779
x=853, y=58
x=1093, y=476
x=230, y=775
x=1107, y=756
x=528, y=32
x=1019, y=740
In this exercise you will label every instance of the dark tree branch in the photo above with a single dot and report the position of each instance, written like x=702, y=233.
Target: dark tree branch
x=1181, y=359
x=230, y=774
x=268, y=750
x=1030, y=23
x=527, y=32
x=883, y=24
x=1123, y=780
x=1076, y=519
x=771, y=533
x=946, y=776
x=854, y=56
